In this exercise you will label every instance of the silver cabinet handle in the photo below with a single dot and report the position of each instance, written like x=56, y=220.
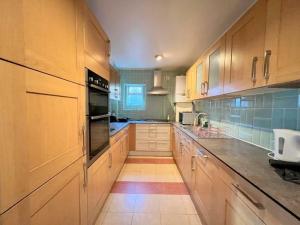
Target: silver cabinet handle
x=253, y=70
x=206, y=87
x=110, y=160
x=193, y=162
x=267, y=64
x=255, y=203
x=85, y=178
x=83, y=139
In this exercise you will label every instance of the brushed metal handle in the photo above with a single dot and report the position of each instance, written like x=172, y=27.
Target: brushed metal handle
x=253, y=69
x=110, y=160
x=267, y=64
x=193, y=162
x=85, y=179
x=83, y=139
x=255, y=203
x=206, y=87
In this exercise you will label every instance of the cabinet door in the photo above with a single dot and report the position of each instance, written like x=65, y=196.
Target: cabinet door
x=98, y=186
x=39, y=139
x=199, y=79
x=282, y=38
x=54, y=37
x=62, y=200
x=237, y=212
x=190, y=84
x=215, y=60
x=245, y=43
x=12, y=32
x=96, y=46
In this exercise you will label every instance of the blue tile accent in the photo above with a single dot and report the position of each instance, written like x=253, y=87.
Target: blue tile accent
x=252, y=118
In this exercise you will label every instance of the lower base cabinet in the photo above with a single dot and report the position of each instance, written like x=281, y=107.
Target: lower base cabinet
x=221, y=196
x=103, y=173
x=61, y=201
x=98, y=185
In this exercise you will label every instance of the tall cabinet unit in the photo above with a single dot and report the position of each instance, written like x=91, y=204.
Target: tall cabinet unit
x=245, y=43
x=282, y=51
x=96, y=46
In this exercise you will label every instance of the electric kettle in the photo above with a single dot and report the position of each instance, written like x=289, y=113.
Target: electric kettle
x=287, y=145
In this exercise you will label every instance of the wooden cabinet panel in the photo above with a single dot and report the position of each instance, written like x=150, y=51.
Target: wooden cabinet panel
x=54, y=37
x=62, y=200
x=244, y=41
x=98, y=186
x=190, y=82
x=12, y=32
x=215, y=60
x=282, y=38
x=39, y=139
x=200, y=78
x=96, y=46
x=115, y=86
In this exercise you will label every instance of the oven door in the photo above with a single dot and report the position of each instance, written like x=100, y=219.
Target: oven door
x=98, y=136
x=98, y=101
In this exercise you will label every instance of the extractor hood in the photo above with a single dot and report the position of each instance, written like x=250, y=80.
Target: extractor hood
x=157, y=85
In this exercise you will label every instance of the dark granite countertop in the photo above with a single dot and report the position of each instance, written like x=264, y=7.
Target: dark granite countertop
x=251, y=162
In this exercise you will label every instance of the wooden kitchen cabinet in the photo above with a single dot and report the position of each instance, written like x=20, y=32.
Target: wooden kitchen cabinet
x=42, y=131
x=213, y=79
x=53, y=37
x=98, y=186
x=153, y=137
x=282, y=39
x=245, y=44
x=115, y=86
x=190, y=82
x=96, y=46
x=62, y=200
x=12, y=31
x=200, y=78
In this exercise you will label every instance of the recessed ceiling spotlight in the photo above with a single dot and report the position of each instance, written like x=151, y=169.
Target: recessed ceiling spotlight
x=158, y=57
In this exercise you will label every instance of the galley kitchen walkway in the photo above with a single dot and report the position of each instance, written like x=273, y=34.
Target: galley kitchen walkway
x=149, y=191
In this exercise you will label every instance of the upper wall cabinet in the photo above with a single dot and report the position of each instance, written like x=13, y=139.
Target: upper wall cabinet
x=53, y=32
x=190, y=82
x=282, y=61
x=96, y=46
x=214, y=77
x=37, y=139
x=245, y=43
x=11, y=29
x=199, y=78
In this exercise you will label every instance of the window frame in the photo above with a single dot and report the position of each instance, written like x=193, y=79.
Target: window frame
x=127, y=107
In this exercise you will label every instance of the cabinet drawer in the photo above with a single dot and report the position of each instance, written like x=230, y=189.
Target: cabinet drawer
x=152, y=145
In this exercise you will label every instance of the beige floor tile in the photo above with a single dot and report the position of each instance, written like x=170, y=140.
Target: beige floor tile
x=188, y=204
x=147, y=204
x=194, y=220
x=146, y=219
x=122, y=203
x=171, y=204
x=118, y=219
x=100, y=218
x=174, y=219
x=129, y=176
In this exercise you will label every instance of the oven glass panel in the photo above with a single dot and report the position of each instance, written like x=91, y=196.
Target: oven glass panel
x=98, y=102
x=99, y=136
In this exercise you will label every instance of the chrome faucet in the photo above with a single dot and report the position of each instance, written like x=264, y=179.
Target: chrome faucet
x=196, y=119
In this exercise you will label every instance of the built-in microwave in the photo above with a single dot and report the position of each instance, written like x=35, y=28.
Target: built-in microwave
x=97, y=118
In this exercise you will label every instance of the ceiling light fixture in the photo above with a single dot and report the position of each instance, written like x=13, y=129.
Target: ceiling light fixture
x=158, y=57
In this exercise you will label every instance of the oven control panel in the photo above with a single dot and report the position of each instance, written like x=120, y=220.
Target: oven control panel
x=94, y=79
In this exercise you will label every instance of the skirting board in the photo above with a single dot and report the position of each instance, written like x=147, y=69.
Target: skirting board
x=149, y=153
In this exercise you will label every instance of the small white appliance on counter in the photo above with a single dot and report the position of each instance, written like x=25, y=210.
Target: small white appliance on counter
x=287, y=145
x=186, y=118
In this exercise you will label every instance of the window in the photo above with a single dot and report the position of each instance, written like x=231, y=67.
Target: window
x=134, y=97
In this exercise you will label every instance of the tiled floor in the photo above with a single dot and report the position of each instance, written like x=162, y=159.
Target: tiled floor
x=149, y=191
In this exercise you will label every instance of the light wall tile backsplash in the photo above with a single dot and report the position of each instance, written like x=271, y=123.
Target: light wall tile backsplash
x=157, y=107
x=253, y=118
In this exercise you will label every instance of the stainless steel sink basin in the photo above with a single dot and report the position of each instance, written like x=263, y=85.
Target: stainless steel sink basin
x=201, y=132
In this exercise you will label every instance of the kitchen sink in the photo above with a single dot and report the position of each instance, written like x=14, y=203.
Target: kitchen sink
x=201, y=132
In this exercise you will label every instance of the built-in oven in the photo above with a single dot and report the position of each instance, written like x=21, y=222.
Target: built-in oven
x=97, y=95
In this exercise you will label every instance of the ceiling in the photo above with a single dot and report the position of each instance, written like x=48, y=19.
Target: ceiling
x=179, y=29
